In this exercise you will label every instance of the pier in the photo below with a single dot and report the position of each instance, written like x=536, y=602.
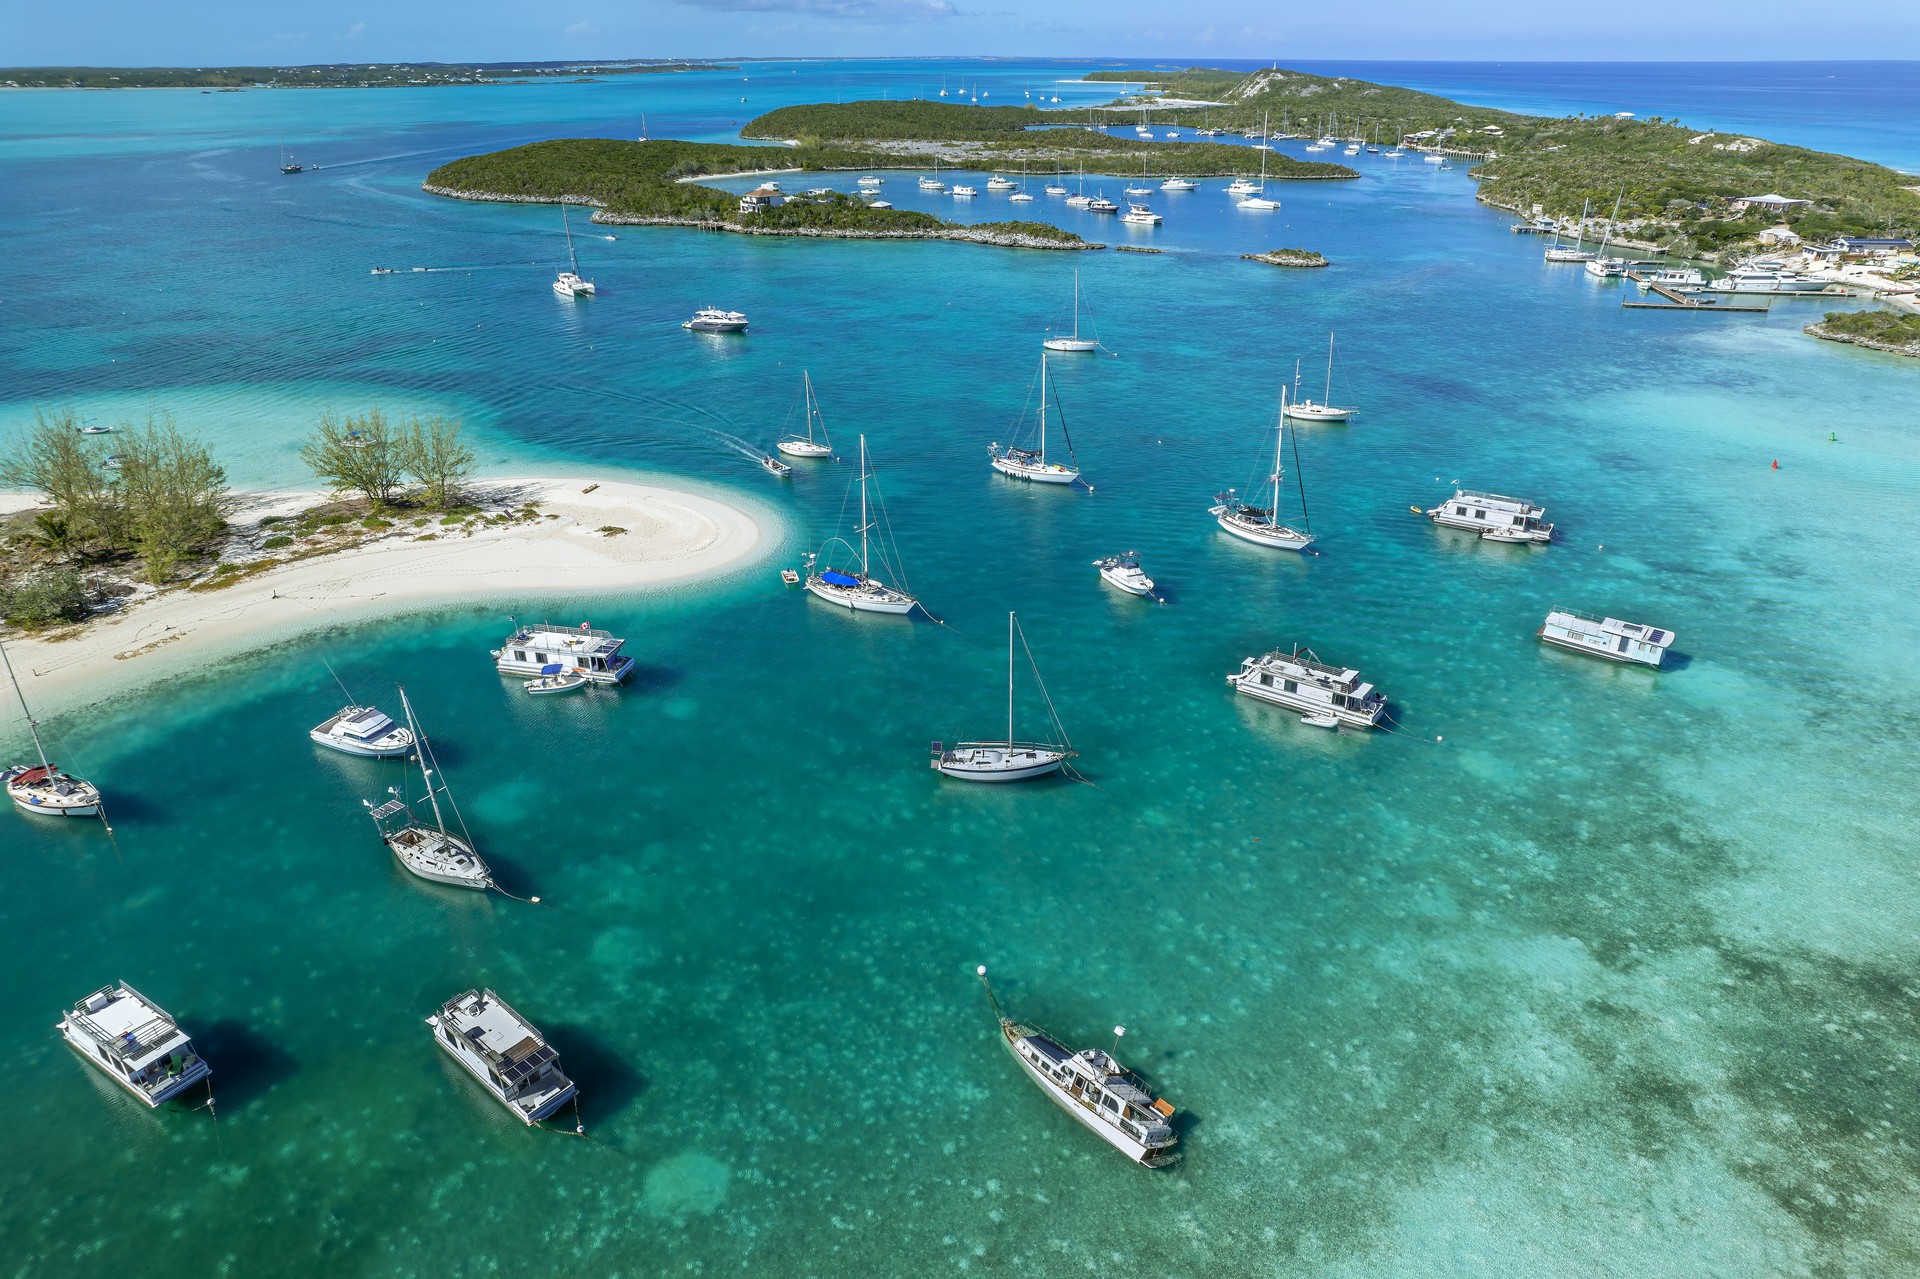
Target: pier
x=1676, y=301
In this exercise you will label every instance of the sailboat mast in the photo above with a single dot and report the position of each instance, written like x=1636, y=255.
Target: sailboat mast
x=1329, y=390
x=1279, y=443
x=1076, y=307
x=1043, y=404
x=421, y=755
x=33, y=725
x=863, y=508
x=572, y=265
x=1009, y=681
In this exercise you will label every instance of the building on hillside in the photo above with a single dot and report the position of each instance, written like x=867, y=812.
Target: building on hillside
x=1782, y=236
x=1771, y=203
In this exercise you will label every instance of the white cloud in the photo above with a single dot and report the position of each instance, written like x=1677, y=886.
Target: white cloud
x=357, y=30
x=580, y=28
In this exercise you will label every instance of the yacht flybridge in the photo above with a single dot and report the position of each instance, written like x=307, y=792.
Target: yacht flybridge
x=45, y=791
x=1011, y=760
x=796, y=445
x=501, y=1049
x=858, y=589
x=431, y=852
x=1125, y=573
x=136, y=1044
x=1107, y=1099
x=365, y=731
x=1032, y=464
x=568, y=283
x=1074, y=344
x=1301, y=681
x=1494, y=517
x=1306, y=410
x=1607, y=637
x=595, y=654
x=1261, y=524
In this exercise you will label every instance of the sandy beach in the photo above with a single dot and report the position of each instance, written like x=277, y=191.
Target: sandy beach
x=671, y=536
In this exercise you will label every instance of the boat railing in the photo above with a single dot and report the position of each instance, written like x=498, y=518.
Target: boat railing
x=137, y=1042
x=1556, y=610
x=1479, y=496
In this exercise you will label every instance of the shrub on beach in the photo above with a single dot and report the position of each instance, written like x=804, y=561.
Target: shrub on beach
x=45, y=598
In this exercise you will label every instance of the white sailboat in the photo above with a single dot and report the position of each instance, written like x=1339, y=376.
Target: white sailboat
x=1261, y=525
x=859, y=591
x=45, y=791
x=1558, y=252
x=796, y=445
x=568, y=283
x=431, y=852
x=1074, y=344
x=1306, y=410
x=1257, y=200
x=1032, y=464
x=1600, y=264
x=1011, y=760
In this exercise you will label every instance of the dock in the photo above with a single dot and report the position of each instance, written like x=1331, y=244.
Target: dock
x=1676, y=301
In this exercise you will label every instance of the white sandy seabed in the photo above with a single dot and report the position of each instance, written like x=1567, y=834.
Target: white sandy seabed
x=670, y=536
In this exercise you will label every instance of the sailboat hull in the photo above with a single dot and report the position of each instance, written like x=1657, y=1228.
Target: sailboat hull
x=1039, y=473
x=997, y=762
x=1072, y=346
x=1274, y=536
x=804, y=448
x=1308, y=411
x=39, y=806
x=444, y=859
x=872, y=598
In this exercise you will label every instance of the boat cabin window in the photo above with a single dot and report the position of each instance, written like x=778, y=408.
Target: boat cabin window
x=1289, y=686
x=1110, y=1104
x=1265, y=678
x=519, y=654
x=1479, y=515
x=1459, y=510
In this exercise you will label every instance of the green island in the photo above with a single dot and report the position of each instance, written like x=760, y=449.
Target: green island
x=1683, y=187
x=1288, y=257
x=647, y=183
x=332, y=75
x=1894, y=331
x=1004, y=137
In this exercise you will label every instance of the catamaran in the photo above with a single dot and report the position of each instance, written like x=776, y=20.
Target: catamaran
x=798, y=446
x=431, y=852
x=1261, y=525
x=1112, y=1102
x=45, y=791
x=1032, y=464
x=136, y=1044
x=859, y=590
x=1012, y=760
x=1075, y=344
x=568, y=283
x=1306, y=410
x=503, y=1050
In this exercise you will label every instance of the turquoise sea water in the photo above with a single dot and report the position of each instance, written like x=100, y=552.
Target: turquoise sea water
x=1616, y=979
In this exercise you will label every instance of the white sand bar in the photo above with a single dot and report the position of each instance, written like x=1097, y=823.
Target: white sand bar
x=671, y=536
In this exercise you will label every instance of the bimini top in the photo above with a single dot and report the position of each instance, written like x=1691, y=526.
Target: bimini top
x=838, y=578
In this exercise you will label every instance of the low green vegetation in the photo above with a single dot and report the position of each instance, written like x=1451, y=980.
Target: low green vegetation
x=643, y=180
x=376, y=458
x=349, y=75
x=1887, y=328
x=912, y=120
x=1288, y=257
x=1681, y=185
x=146, y=494
x=43, y=597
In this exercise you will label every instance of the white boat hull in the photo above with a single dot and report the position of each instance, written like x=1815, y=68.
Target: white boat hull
x=527, y=1115
x=365, y=750
x=1259, y=205
x=462, y=869
x=1274, y=536
x=1131, y=584
x=1048, y=473
x=884, y=600
x=1307, y=706
x=196, y=1073
x=804, y=448
x=82, y=801
x=996, y=763
x=1072, y=346
x=1133, y=1150
x=1308, y=411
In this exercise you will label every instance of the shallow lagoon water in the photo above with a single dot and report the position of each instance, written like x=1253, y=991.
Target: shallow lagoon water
x=1613, y=980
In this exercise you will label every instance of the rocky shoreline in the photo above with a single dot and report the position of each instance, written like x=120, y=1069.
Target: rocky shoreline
x=1287, y=257
x=1911, y=349
x=962, y=234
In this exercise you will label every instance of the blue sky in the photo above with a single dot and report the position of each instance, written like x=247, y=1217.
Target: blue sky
x=208, y=32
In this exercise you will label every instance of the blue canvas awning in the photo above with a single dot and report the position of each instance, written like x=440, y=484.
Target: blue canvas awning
x=551, y=668
x=838, y=578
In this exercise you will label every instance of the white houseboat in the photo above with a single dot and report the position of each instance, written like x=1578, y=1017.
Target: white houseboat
x=1493, y=517
x=364, y=731
x=595, y=654
x=502, y=1050
x=1108, y=1099
x=1301, y=681
x=1607, y=637
x=135, y=1042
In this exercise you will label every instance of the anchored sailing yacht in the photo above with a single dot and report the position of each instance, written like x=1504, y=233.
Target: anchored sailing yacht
x=502, y=1050
x=1032, y=464
x=1306, y=410
x=1301, y=681
x=1558, y=252
x=859, y=591
x=595, y=654
x=568, y=283
x=1600, y=264
x=431, y=852
x=1261, y=525
x=1607, y=637
x=1124, y=571
x=135, y=1043
x=1012, y=760
x=1075, y=343
x=45, y=791
x=1257, y=200
x=1494, y=517
x=1111, y=1101
x=794, y=445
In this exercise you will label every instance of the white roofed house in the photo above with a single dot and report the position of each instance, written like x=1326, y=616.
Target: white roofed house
x=1771, y=203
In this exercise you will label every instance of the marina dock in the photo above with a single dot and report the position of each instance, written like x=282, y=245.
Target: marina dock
x=1676, y=301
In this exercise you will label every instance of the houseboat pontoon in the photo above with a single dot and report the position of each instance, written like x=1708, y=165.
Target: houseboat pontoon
x=1493, y=517
x=502, y=1050
x=1301, y=681
x=596, y=654
x=135, y=1042
x=1108, y=1099
x=1607, y=637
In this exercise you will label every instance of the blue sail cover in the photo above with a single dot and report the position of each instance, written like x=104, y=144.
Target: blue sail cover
x=551, y=668
x=838, y=578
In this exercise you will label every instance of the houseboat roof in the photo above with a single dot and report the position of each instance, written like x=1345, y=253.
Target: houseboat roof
x=502, y=1035
x=580, y=638
x=126, y=1024
x=1614, y=626
x=1306, y=659
x=1497, y=498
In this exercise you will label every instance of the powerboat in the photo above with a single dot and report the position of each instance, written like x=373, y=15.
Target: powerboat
x=1124, y=572
x=710, y=319
x=1179, y=184
x=1140, y=215
x=364, y=731
x=775, y=467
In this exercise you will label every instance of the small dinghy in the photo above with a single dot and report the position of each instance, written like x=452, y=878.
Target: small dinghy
x=775, y=467
x=1321, y=721
x=790, y=576
x=556, y=678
